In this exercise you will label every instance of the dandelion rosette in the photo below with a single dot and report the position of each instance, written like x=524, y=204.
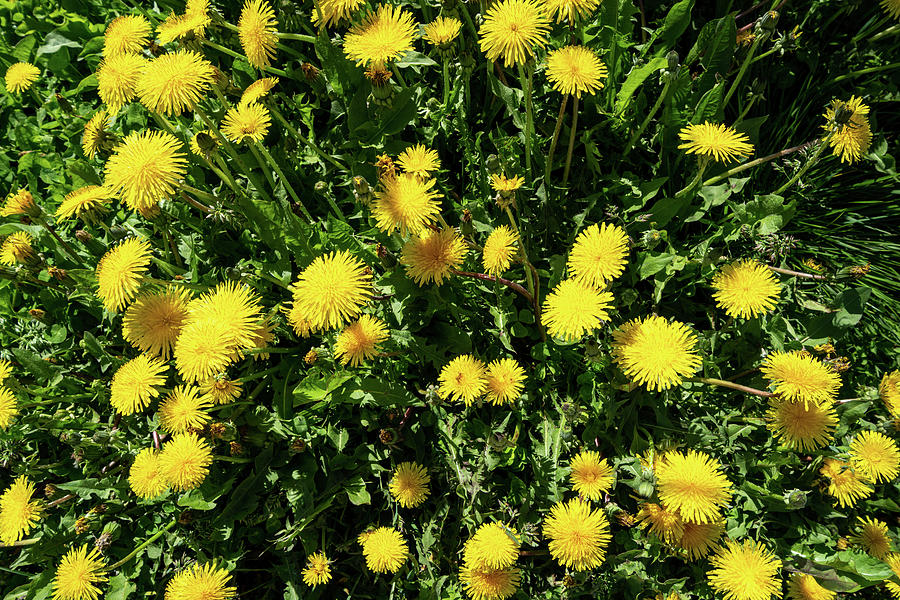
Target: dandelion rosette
x=78, y=574
x=463, y=378
x=409, y=485
x=258, y=32
x=499, y=249
x=120, y=272
x=575, y=70
x=513, y=30
x=19, y=514
x=746, y=571
x=591, y=476
x=656, y=353
x=693, y=485
x=505, y=379
x=800, y=377
x=431, y=256
x=715, y=141
x=360, y=340
x=385, y=550
x=574, y=309
x=599, y=255
x=383, y=35
x=578, y=535
x=746, y=289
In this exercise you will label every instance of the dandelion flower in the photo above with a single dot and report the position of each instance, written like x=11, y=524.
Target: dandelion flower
x=716, y=141
x=20, y=76
x=844, y=483
x=201, y=582
x=591, y=475
x=18, y=512
x=145, y=168
x=875, y=456
x=335, y=11
x=872, y=536
x=16, y=248
x=204, y=349
x=514, y=29
x=332, y=290
x=246, y=123
x=406, y=202
x=153, y=321
x=693, y=484
x=134, y=384
x=853, y=136
x=570, y=10
x=664, y=523
x=78, y=573
x=805, y=587
x=5, y=370
x=409, y=485
x=494, y=546
x=578, y=535
x=419, y=160
x=317, y=571
x=385, y=550
x=177, y=27
x=499, y=250
x=747, y=571
x=442, y=30
x=258, y=90
x=146, y=477
x=257, y=30
x=20, y=203
x=599, y=255
x=117, y=79
x=127, y=34
x=889, y=391
x=574, y=309
x=88, y=200
x=185, y=409
x=498, y=584
x=221, y=390
x=359, y=341
x=502, y=183
x=655, y=352
x=175, y=82
x=185, y=461
x=463, y=378
x=698, y=539
x=573, y=70
x=746, y=289
x=431, y=256
x=801, y=426
x=120, y=272
x=234, y=305
x=381, y=36
x=504, y=381
x=8, y=408
x=892, y=8
x=800, y=377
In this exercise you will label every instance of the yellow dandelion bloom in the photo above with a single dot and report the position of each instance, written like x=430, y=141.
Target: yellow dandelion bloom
x=331, y=290
x=359, y=341
x=693, y=485
x=134, y=384
x=494, y=546
x=419, y=160
x=335, y=11
x=431, y=256
x=381, y=36
x=844, y=483
x=715, y=141
x=178, y=27
x=127, y=34
x=875, y=456
x=20, y=203
x=499, y=250
x=574, y=309
x=120, y=272
x=598, y=255
x=16, y=248
x=204, y=349
x=505, y=379
x=578, y=535
x=258, y=32
x=146, y=477
x=88, y=200
x=117, y=79
x=892, y=8
x=78, y=574
x=201, y=582
x=153, y=321
x=442, y=30
x=699, y=539
x=889, y=391
x=463, y=378
x=185, y=461
x=145, y=168
x=20, y=76
x=204, y=143
x=664, y=523
x=801, y=426
x=183, y=410
x=317, y=571
x=221, y=390
x=853, y=135
x=246, y=123
x=385, y=550
x=502, y=183
x=746, y=289
x=18, y=512
x=570, y=10
x=175, y=82
x=405, y=202
x=9, y=408
x=656, y=353
x=800, y=377
x=591, y=476
x=893, y=561
x=513, y=30
x=5, y=370
x=747, y=571
x=498, y=584
x=872, y=536
x=574, y=70
x=258, y=90
x=805, y=587
x=409, y=485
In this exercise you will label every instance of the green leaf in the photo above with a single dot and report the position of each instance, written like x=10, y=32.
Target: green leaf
x=357, y=492
x=851, y=303
x=415, y=58
x=677, y=20
x=119, y=587
x=635, y=78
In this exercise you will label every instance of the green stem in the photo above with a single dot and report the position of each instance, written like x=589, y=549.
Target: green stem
x=853, y=74
x=758, y=161
x=234, y=54
x=746, y=109
x=640, y=130
x=571, y=141
x=730, y=385
x=555, y=139
x=529, y=114
x=200, y=194
x=398, y=75
x=285, y=181
x=698, y=179
x=296, y=36
x=892, y=30
x=52, y=231
x=764, y=54
x=303, y=139
x=446, y=73
x=812, y=160
x=743, y=70
x=262, y=165
x=137, y=550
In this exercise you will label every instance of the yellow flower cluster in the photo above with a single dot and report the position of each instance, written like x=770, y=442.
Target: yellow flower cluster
x=466, y=378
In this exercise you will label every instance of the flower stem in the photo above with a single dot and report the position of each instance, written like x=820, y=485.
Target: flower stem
x=731, y=385
x=758, y=161
x=296, y=36
x=52, y=231
x=199, y=194
x=446, y=73
x=698, y=179
x=571, y=141
x=399, y=76
x=284, y=180
x=555, y=139
x=853, y=74
x=137, y=550
x=892, y=30
x=743, y=70
x=303, y=139
x=812, y=160
x=510, y=284
x=529, y=114
x=640, y=130
x=797, y=273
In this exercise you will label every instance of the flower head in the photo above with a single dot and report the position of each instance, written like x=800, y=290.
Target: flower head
x=88, y=200
x=891, y=7
x=192, y=23
x=502, y=183
x=800, y=377
x=492, y=584
x=574, y=70
x=747, y=571
x=803, y=586
x=431, y=256
x=257, y=30
x=656, y=353
x=331, y=290
x=419, y=161
x=442, y=30
x=405, y=202
x=852, y=134
x=127, y=34
x=153, y=321
x=409, y=485
x=205, y=348
x=698, y=539
x=246, y=123
x=18, y=512
x=175, y=82
x=16, y=248
x=872, y=536
x=663, y=522
x=504, y=381
x=134, y=384
x=875, y=456
x=185, y=461
x=258, y=90
x=693, y=485
x=801, y=426
x=385, y=550
x=494, y=546
x=117, y=79
x=574, y=309
x=591, y=476
x=20, y=203
x=889, y=391
x=78, y=573
x=120, y=272
x=599, y=255
x=8, y=407
x=381, y=36
x=578, y=535
x=20, y=76
x=146, y=477
x=463, y=378
x=359, y=341
x=335, y=11
x=145, y=168
x=221, y=390
x=746, y=289
x=716, y=141
x=185, y=409
x=570, y=10
x=499, y=250
x=317, y=571
x=844, y=483
x=201, y=582
x=513, y=29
